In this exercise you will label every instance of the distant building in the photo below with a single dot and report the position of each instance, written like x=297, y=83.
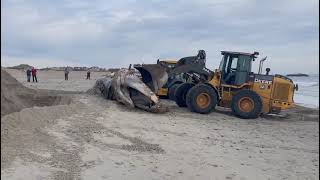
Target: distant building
x=80, y=68
x=77, y=68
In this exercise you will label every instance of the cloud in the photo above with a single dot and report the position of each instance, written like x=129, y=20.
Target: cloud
x=117, y=33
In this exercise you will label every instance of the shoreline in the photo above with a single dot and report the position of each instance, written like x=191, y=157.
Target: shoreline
x=307, y=106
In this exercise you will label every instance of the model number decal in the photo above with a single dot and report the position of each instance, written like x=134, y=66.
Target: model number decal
x=262, y=81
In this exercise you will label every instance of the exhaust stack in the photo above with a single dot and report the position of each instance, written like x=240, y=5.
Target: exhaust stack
x=261, y=64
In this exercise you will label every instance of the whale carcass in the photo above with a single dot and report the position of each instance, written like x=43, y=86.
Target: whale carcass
x=135, y=87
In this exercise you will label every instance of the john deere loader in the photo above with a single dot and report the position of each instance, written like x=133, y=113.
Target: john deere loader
x=235, y=86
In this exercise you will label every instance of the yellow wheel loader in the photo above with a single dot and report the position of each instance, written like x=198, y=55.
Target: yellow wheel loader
x=180, y=71
x=235, y=86
x=167, y=91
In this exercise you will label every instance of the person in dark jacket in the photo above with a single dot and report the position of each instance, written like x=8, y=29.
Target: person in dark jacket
x=28, y=74
x=34, y=75
x=88, y=74
x=66, y=73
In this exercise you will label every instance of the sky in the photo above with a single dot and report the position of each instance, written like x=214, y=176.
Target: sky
x=118, y=33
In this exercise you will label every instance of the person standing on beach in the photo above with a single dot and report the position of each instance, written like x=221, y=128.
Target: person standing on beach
x=88, y=74
x=34, y=75
x=66, y=73
x=28, y=74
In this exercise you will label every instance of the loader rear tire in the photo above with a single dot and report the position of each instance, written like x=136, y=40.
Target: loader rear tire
x=181, y=92
x=202, y=99
x=246, y=104
x=171, y=92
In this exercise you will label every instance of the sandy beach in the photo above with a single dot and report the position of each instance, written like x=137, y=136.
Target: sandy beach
x=87, y=137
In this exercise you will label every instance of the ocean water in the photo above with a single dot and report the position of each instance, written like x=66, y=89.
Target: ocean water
x=308, y=92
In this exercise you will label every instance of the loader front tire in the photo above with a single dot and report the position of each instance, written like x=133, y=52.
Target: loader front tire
x=181, y=92
x=202, y=99
x=246, y=104
x=171, y=92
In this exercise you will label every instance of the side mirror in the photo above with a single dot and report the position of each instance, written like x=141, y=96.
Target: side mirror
x=267, y=71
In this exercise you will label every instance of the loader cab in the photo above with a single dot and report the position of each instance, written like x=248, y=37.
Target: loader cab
x=235, y=67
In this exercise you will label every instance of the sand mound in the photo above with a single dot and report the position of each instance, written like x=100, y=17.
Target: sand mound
x=25, y=113
x=15, y=96
x=21, y=67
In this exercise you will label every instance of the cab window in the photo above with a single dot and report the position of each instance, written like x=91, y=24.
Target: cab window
x=221, y=63
x=234, y=63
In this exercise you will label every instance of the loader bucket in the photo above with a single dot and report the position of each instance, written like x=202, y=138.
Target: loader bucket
x=153, y=75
